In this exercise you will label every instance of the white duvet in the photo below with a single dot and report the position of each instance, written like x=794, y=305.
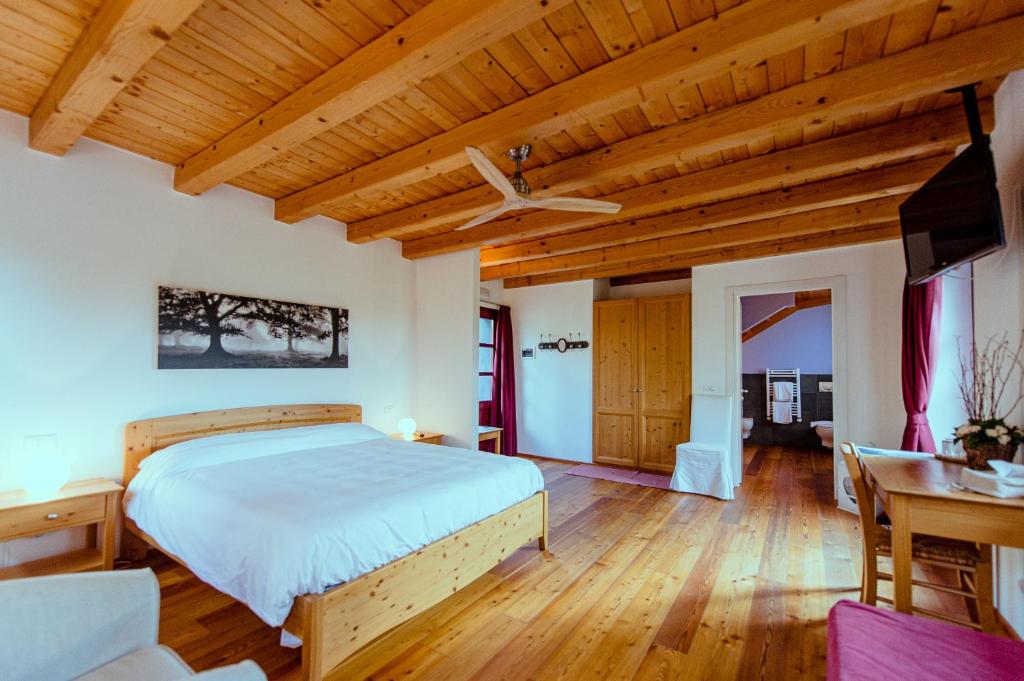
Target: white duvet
x=267, y=516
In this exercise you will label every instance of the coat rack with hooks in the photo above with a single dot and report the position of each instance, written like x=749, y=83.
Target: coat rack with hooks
x=563, y=344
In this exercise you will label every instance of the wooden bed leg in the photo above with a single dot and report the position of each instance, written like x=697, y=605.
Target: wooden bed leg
x=312, y=640
x=542, y=540
x=133, y=547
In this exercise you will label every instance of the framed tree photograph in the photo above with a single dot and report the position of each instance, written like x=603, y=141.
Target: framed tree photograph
x=207, y=330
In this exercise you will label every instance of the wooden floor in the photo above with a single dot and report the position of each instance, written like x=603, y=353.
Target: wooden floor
x=638, y=583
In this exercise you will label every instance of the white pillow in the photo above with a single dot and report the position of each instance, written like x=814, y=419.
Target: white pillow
x=217, y=449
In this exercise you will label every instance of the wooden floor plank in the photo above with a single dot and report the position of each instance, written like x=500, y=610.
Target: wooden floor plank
x=638, y=583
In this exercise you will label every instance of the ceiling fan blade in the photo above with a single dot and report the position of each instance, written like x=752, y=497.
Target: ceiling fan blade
x=490, y=172
x=575, y=204
x=480, y=219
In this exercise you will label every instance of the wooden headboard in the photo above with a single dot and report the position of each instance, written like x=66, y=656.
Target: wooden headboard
x=142, y=438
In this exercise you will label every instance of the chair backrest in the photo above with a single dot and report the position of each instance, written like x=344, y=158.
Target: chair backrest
x=894, y=453
x=864, y=493
x=711, y=419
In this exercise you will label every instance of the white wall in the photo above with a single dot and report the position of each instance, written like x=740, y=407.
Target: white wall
x=446, y=346
x=873, y=276
x=801, y=341
x=85, y=241
x=553, y=391
x=999, y=290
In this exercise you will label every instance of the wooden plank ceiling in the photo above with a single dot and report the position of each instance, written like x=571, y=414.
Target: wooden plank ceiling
x=727, y=129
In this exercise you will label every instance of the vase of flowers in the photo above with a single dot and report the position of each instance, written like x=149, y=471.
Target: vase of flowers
x=991, y=385
x=991, y=439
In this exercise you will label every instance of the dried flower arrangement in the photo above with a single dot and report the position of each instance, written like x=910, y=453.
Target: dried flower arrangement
x=986, y=374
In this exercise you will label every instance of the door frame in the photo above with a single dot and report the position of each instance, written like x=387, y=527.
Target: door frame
x=840, y=377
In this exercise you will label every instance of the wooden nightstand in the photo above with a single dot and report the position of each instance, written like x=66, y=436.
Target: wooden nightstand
x=491, y=433
x=89, y=503
x=425, y=438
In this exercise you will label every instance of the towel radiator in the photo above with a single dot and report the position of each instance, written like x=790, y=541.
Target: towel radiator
x=783, y=376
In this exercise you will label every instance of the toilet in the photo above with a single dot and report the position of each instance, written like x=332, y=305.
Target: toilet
x=747, y=422
x=823, y=429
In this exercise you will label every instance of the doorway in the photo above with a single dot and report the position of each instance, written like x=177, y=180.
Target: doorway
x=786, y=369
x=795, y=335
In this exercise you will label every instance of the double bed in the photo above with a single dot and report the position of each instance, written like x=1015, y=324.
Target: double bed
x=321, y=525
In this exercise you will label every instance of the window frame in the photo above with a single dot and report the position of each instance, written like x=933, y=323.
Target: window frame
x=487, y=406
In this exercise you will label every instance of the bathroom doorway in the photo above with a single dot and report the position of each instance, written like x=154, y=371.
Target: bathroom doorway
x=786, y=369
x=788, y=366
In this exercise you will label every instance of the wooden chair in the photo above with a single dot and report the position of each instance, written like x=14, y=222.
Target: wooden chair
x=972, y=563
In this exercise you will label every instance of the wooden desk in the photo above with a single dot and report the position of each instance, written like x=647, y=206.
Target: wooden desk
x=918, y=498
x=491, y=433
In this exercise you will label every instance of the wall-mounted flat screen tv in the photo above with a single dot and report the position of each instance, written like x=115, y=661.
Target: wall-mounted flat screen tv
x=955, y=217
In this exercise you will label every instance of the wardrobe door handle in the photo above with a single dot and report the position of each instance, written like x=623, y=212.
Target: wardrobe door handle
x=52, y=516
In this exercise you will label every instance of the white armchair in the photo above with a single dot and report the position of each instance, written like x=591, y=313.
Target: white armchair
x=703, y=465
x=99, y=626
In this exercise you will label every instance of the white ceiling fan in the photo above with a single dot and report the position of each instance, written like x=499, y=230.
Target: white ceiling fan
x=517, y=192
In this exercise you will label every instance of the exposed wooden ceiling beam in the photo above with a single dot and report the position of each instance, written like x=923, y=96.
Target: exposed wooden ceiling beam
x=848, y=189
x=119, y=40
x=834, y=239
x=816, y=298
x=875, y=211
x=651, y=277
x=735, y=38
x=966, y=57
x=436, y=37
x=927, y=134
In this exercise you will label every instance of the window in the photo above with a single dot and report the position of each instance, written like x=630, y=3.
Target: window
x=486, y=368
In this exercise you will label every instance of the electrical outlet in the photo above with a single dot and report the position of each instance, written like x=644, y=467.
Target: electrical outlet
x=389, y=409
x=708, y=388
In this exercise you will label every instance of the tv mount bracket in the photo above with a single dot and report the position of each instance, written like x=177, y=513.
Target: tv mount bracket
x=970, y=100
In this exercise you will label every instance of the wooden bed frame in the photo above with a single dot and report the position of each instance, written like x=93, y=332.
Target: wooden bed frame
x=335, y=624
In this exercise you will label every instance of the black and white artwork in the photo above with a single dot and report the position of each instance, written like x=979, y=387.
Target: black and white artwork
x=206, y=330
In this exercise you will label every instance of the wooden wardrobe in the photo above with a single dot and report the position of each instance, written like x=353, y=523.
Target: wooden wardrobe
x=641, y=381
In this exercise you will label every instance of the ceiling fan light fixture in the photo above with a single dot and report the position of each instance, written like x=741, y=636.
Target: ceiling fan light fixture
x=516, y=190
x=520, y=154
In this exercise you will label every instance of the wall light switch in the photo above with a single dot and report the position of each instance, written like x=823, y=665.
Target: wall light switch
x=389, y=409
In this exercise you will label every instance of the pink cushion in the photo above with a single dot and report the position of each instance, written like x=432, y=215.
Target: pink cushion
x=866, y=644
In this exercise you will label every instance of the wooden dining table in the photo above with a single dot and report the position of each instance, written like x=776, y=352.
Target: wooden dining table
x=921, y=496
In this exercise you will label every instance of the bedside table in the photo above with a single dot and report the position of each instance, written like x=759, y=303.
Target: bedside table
x=491, y=433
x=425, y=438
x=88, y=503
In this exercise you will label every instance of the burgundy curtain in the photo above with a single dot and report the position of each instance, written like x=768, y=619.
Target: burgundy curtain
x=922, y=315
x=504, y=409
